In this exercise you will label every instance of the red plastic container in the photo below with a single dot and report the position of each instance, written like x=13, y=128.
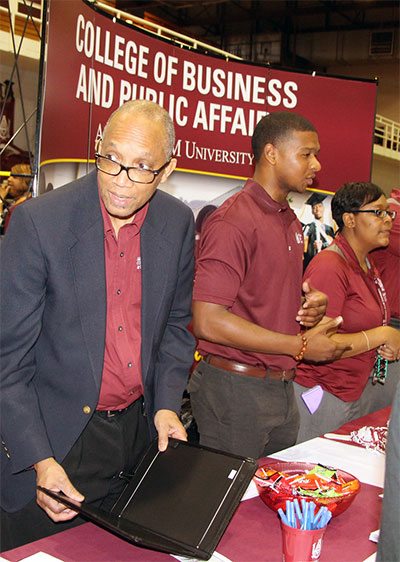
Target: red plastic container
x=275, y=500
x=301, y=546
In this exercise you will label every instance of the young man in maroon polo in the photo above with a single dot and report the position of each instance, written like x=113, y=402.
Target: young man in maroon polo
x=247, y=300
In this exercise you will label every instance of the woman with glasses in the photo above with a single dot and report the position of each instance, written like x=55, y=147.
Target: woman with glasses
x=346, y=273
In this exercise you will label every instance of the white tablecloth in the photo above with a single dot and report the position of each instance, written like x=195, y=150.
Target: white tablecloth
x=367, y=466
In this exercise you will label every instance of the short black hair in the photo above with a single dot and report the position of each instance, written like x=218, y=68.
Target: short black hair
x=274, y=127
x=351, y=196
x=202, y=215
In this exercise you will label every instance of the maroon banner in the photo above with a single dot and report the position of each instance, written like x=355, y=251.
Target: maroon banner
x=95, y=64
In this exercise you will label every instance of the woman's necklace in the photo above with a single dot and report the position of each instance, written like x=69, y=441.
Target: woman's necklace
x=379, y=371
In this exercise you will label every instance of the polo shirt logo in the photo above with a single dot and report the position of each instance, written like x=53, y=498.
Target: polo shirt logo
x=299, y=238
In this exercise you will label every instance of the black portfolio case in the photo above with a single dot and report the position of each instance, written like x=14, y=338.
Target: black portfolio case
x=179, y=501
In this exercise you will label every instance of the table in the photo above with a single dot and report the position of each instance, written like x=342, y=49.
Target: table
x=254, y=531
x=376, y=419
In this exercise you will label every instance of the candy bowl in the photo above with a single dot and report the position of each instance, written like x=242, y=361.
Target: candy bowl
x=278, y=481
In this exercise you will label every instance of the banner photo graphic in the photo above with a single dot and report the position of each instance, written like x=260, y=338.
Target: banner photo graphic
x=95, y=64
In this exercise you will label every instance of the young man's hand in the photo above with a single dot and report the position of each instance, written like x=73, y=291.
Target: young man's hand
x=313, y=308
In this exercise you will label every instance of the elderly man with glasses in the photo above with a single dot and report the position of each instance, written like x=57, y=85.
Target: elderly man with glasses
x=95, y=350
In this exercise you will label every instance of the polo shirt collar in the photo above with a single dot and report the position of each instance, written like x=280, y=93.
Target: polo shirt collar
x=263, y=199
x=351, y=257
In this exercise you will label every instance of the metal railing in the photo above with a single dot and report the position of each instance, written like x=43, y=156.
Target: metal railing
x=387, y=134
x=178, y=38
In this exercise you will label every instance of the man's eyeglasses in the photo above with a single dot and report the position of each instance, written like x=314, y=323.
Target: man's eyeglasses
x=380, y=213
x=138, y=174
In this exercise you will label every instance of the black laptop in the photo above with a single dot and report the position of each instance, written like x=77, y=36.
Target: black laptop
x=179, y=501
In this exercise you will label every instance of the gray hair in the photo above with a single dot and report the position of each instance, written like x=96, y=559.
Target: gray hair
x=154, y=112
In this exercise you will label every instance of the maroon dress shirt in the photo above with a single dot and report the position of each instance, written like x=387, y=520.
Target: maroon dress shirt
x=122, y=377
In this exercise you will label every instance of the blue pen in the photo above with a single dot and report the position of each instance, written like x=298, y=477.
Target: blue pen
x=292, y=515
x=311, y=509
x=303, y=505
x=322, y=520
x=309, y=516
x=289, y=513
x=326, y=517
x=305, y=516
x=298, y=511
x=283, y=516
x=318, y=515
x=295, y=521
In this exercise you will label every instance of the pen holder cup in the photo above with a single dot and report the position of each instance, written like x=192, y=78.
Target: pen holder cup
x=301, y=546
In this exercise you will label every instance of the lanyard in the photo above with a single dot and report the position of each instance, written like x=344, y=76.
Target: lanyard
x=381, y=293
x=349, y=256
x=380, y=366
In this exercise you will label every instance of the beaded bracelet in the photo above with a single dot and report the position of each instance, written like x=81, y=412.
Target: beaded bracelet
x=304, y=341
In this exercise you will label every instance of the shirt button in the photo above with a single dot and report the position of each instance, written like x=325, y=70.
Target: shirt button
x=120, y=328
x=119, y=292
x=129, y=364
x=131, y=392
x=87, y=409
x=289, y=247
x=122, y=254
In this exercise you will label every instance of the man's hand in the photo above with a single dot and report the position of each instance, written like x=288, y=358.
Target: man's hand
x=52, y=476
x=168, y=425
x=321, y=347
x=313, y=308
x=4, y=189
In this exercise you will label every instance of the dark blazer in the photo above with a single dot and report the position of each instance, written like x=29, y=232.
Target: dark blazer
x=53, y=316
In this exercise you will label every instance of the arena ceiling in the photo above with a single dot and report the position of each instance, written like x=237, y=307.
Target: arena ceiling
x=214, y=20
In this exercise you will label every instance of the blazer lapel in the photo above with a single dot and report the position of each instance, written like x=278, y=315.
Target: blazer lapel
x=155, y=254
x=88, y=262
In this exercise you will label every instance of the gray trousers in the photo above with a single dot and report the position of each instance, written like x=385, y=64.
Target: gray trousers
x=242, y=415
x=331, y=414
x=378, y=396
x=389, y=543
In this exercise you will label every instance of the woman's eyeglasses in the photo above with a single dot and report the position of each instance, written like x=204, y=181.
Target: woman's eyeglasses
x=380, y=213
